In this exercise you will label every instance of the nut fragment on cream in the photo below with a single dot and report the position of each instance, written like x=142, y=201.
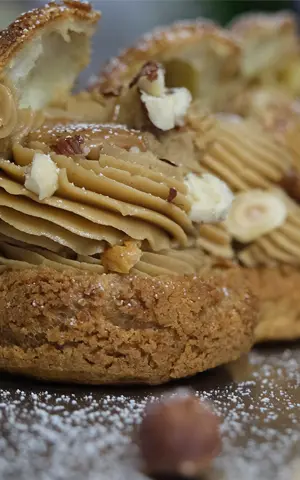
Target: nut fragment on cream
x=42, y=178
x=166, y=107
x=210, y=198
x=152, y=79
x=122, y=258
x=168, y=111
x=254, y=214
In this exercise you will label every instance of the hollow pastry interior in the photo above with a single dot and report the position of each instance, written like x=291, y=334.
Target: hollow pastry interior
x=41, y=55
x=43, y=52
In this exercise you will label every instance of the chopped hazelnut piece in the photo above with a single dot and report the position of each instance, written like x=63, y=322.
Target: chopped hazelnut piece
x=151, y=79
x=172, y=194
x=42, y=178
x=254, y=214
x=167, y=111
x=69, y=146
x=122, y=258
x=166, y=108
x=210, y=198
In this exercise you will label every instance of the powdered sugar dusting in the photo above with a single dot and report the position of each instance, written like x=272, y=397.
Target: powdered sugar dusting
x=51, y=434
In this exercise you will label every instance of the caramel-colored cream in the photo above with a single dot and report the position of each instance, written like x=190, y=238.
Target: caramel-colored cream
x=216, y=240
x=249, y=159
x=245, y=156
x=167, y=262
x=280, y=246
x=111, y=191
x=8, y=112
x=15, y=123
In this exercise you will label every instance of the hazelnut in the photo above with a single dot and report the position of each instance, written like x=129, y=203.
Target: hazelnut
x=179, y=435
x=169, y=110
x=290, y=183
x=150, y=79
x=172, y=195
x=210, y=198
x=122, y=258
x=42, y=176
x=166, y=108
x=69, y=146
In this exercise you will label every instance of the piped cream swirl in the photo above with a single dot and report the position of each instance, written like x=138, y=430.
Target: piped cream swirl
x=246, y=157
x=104, y=196
x=167, y=262
x=251, y=160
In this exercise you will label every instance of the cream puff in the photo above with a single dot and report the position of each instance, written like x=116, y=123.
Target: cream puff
x=261, y=232
x=197, y=55
x=270, y=46
x=102, y=279
x=41, y=55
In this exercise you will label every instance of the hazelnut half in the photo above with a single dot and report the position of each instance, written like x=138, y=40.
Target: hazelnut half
x=179, y=435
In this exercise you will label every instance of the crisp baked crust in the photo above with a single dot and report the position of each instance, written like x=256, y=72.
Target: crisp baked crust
x=117, y=329
x=278, y=293
x=28, y=25
x=42, y=53
x=165, y=43
x=255, y=23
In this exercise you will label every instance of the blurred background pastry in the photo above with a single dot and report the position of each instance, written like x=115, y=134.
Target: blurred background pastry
x=150, y=14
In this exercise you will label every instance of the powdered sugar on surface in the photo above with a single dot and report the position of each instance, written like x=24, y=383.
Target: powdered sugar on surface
x=72, y=432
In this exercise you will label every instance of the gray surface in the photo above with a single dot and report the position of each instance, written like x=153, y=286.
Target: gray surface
x=70, y=432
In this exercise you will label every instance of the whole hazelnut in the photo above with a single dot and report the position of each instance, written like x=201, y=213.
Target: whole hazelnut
x=179, y=435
